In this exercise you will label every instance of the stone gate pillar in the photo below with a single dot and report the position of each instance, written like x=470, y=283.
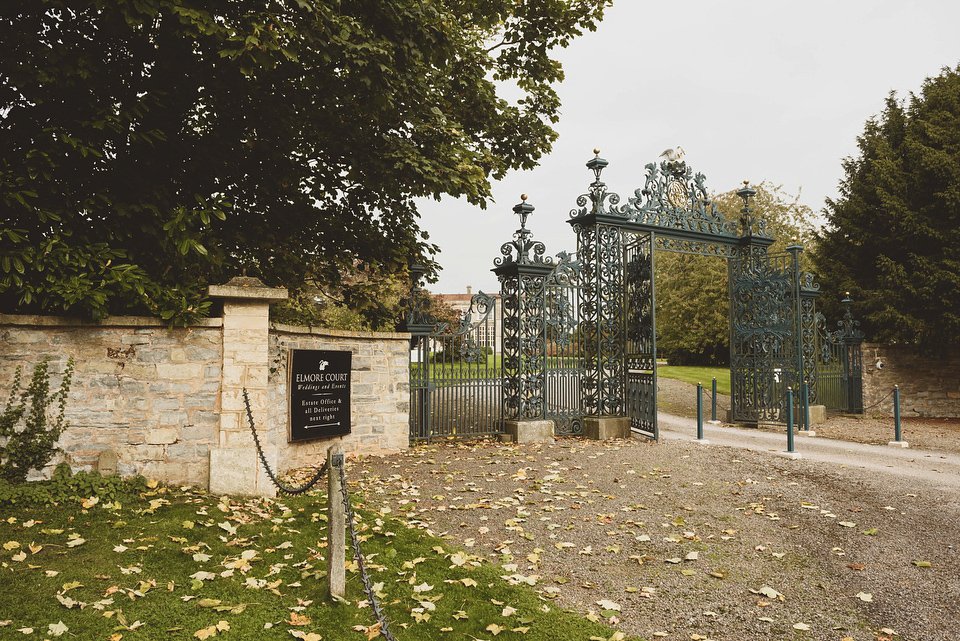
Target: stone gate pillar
x=234, y=464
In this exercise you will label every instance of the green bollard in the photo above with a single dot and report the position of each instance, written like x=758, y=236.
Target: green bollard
x=896, y=413
x=790, y=420
x=699, y=412
x=713, y=409
x=806, y=405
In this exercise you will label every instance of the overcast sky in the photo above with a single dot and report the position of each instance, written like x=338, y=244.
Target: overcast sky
x=753, y=90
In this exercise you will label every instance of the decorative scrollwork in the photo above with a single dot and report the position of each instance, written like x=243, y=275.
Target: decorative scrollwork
x=675, y=198
x=528, y=251
x=600, y=201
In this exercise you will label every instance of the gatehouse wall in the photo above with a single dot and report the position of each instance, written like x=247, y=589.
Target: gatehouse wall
x=169, y=401
x=929, y=385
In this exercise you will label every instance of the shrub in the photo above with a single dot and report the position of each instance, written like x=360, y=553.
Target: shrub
x=64, y=486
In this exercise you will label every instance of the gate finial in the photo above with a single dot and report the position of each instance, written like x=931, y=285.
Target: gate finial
x=746, y=220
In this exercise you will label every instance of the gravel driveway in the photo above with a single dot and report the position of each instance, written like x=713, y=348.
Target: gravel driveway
x=695, y=541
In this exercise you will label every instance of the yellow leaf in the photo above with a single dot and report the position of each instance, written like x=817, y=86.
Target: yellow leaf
x=494, y=629
x=206, y=633
x=298, y=619
x=11, y=545
x=801, y=626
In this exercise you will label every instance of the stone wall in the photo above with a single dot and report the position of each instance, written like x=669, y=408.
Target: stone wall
x=929, y=386
x=379, y=394
x=169, y=401
x=148, y=392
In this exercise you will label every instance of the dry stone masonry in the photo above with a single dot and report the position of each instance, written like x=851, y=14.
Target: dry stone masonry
x=168, y=402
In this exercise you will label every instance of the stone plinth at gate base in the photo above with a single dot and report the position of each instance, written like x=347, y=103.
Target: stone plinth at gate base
x=529, y=431
x=602, y=429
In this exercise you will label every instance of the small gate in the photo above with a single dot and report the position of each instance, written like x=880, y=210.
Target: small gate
x=641, y=345
x=839, y=382
x=455, y=373
x=564, y=368
x=764, y=347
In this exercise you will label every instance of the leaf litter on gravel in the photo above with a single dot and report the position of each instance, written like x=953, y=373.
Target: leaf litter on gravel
x=595, y=516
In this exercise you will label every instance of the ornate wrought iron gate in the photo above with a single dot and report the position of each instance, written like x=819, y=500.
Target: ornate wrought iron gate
x=839, y=382
x=455, y=373
x=764, y=334
x=564, y=370
x=641, y=344
x=579, y=336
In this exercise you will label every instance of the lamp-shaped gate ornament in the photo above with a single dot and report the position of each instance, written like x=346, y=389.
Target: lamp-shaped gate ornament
x=746, y=213
x=523, y=243
x=417, y=303
x=849, y=325
x=598, y=189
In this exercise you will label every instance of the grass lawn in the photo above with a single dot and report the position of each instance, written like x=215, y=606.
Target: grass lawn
x=694, y=375
x=179, y=563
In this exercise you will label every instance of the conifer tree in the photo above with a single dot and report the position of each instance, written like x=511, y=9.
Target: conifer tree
x=892, y=237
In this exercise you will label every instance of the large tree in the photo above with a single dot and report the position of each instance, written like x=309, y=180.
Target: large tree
x=893, y=235
x=151, y=147
x=693, y=307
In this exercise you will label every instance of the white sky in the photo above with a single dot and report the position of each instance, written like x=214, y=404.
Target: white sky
x=754, y=90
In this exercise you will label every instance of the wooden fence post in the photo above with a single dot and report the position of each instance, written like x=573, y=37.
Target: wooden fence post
x=336, y=524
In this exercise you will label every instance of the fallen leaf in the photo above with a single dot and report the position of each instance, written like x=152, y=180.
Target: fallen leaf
x=608, y=605
x=297, y=619
x=57, y=629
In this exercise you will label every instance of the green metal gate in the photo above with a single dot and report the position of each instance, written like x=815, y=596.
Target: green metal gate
x=641, y=339
x=839, y=371
x=455, y=373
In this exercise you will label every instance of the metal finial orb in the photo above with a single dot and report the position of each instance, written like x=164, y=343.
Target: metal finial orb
x=523, y=197
x=746, y=182
x=596, y=151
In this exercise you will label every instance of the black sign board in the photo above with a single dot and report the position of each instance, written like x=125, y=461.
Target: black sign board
x=319, y=391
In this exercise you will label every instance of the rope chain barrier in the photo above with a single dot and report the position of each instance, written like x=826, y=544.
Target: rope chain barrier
x=709, y=395
x=354, y=541
x=266, y=466
x=361, y=564
x=878, y=402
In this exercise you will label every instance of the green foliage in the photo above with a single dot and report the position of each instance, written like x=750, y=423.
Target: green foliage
x=693, y=307
x=893, y=235
x=369, y=301
x=152, y=148
x=65, y=486
x=28, y=432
